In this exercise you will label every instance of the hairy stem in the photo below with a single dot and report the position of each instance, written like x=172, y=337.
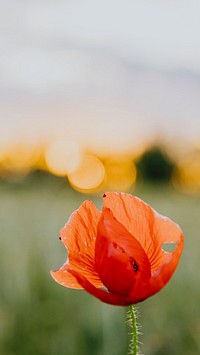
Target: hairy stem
x=134, y=338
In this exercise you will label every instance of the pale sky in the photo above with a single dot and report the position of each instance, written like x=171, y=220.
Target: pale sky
x=107, y=73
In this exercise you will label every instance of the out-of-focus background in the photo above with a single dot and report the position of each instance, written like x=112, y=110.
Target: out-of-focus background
x=95, y=96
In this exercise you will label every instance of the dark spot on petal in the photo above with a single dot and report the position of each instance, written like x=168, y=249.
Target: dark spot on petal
x=104, y=195
x=60, y=238
x=134, y=265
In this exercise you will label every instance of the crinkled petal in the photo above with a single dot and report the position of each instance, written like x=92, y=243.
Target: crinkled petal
x=165, y=231
x=161, y=276
x=145, y=224
x=65, y=278
x=136, y=216
x=79, y=236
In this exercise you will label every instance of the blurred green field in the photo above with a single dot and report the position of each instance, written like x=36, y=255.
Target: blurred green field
x=38, y=316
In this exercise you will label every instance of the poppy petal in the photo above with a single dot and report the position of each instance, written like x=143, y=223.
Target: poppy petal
x=136, y=216
x=65, y=278
x=166, y=231
x=150, y=228
x=101, y=294
x=120, y=260
x=79, y=236
x=162, y=276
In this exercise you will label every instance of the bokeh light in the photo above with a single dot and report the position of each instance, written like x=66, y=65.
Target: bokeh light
x=19, y=159
x=120, y=173
x=62, y=157
x=187, y=174
x=89, y=175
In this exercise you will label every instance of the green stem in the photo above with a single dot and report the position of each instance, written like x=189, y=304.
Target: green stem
x=134, y=339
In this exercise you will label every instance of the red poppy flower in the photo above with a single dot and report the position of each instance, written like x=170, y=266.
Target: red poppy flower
x=117, y=255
